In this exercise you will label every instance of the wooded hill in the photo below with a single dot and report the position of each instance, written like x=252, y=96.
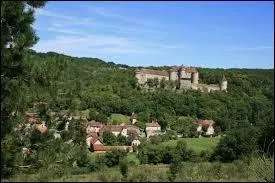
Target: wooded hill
x=74, y=84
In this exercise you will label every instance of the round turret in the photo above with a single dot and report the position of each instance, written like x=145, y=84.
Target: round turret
x=223, y=83
x=173, y=75
x=195, y=77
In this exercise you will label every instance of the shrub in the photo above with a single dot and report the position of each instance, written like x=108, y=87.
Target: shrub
x=123, y=166
x=113, y=157
x=239, y=142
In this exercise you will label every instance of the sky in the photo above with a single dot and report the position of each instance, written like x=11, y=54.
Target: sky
x=201, y=34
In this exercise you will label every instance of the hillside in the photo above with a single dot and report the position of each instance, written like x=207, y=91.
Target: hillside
x=77, y=84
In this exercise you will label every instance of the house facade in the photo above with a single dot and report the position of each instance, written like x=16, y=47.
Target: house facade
x=206, y=123
x=152, y=129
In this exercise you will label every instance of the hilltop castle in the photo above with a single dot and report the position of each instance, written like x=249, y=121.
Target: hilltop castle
x=186, y=77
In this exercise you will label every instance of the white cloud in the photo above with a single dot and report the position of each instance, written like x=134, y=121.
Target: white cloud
x=78, y=40
x=43, y=12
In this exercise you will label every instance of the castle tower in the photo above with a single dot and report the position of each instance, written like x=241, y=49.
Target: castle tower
x=173, y=74
x=185, y=79
x=223, y=84
x=195, y=77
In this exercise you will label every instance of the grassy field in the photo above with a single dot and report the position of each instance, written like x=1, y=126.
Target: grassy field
x=256, y=170
x=197, y=144
x=119, y=118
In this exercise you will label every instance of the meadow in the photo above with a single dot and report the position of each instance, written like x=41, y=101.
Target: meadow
x=197, y=144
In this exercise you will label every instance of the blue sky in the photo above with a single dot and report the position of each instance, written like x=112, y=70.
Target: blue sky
x=201, y=34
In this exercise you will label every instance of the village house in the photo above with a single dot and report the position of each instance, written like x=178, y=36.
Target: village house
x=93, y=126
x=115, y=129
x=122, y=129
x=135, y=142
x=206, y=123
x=152, y=129
x=97, y=146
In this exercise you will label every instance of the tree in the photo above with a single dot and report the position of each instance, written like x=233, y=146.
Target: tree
x=113, y=157
x=163, y=83
x=150, y=83
x=17, y=36
x=241, y=141
x=123, y=166
x=109, y=138
x=93, y=114
x=155, y=82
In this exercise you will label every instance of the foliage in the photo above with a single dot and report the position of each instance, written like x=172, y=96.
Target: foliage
x=123, y=166
x=109, y=138
x=239, y=142
x=113, y=157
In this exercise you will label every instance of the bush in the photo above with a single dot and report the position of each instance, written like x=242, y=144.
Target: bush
x=239, y=142
x=113, y=157
x=123, y=166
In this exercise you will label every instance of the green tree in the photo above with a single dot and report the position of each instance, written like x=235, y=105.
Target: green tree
x=109, y=138
x=114, y=157
x=17, y=36
x=123, y=166
x=241, y=141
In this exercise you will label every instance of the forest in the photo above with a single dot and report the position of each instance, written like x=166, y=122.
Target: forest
x=74, y=84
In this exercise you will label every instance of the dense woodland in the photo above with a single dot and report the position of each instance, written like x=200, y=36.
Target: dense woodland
x=71, y=84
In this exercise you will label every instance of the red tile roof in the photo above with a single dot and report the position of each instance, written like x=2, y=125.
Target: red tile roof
x=206, y=122
x=107, y=148
x=153, y=124
x=94, y=123
x=132, y=127
x=92, y=134
x=110, y=128
x=94, y=140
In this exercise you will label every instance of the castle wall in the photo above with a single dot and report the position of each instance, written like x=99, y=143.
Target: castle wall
x=187, y=78
x=224, y=85
x=185, y=84
x=213, y=88
x=173, y=76
x=195, y=77
x=152, y=76
x=142, y=77
x=184, y=74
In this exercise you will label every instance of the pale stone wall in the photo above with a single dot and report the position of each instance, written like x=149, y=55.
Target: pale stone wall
x=152, y=133
x=185, y=84
x=224, y=85
x=213, y=88
x=210, y=130
x=174, y=76
x=153, y=128
x=116, y=133
x=135, y=143
x=88, y=141
x=124, y=132
x=142, y=77
x=184, y=74
x=195, y=78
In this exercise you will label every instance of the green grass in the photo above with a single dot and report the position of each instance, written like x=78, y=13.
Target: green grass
x=132, y=159
x=119, y=118
x=189, y=171
x=197, y=144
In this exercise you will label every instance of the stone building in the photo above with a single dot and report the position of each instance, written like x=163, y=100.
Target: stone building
x=186, y=77
x=152, y=129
